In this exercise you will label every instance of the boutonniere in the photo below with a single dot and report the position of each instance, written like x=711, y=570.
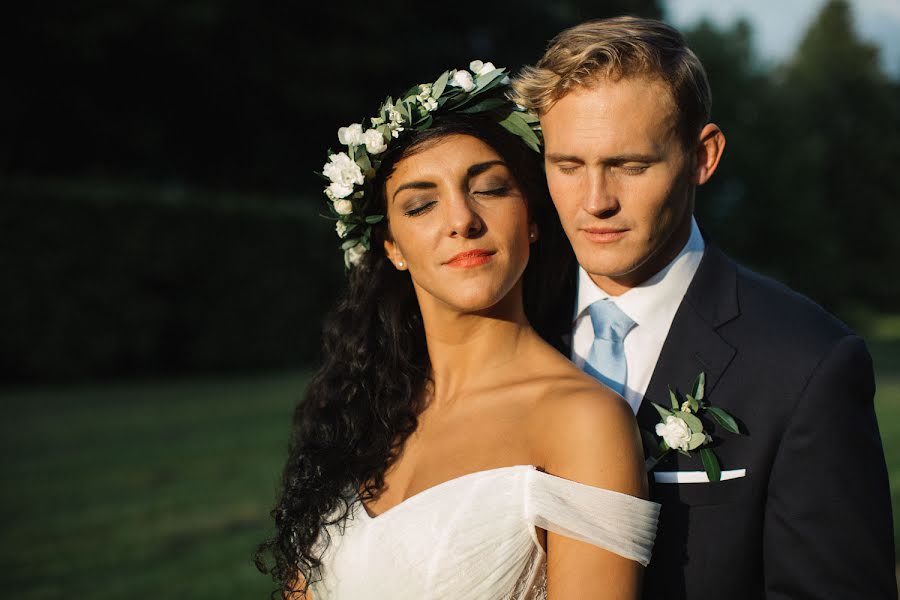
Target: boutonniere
x=681, y=428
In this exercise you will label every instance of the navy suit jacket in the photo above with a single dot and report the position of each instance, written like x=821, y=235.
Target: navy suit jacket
x=812, y=516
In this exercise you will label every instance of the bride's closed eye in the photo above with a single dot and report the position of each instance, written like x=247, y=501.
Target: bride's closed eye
x=496, y=191
x=420, y=209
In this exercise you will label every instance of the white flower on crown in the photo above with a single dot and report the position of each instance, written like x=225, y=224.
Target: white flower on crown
x=675, y=432
x=395, y=122
x=463, y=79
x=338, y=190
x=343, y=207
x=353, y=255
x=481, y=68
x=351, y=135
x=341, y=229
x=374, y=141
x=343, y=173
x=425, y=99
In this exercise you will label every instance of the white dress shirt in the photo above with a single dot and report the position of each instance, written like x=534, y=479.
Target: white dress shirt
x=652, y=305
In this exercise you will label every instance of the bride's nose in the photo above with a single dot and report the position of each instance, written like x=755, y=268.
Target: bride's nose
x=462, y=219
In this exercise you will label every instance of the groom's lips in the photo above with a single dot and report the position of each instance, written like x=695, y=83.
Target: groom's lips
x=604, y=235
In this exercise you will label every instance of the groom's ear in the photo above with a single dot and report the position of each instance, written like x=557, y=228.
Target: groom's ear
x=708, y=152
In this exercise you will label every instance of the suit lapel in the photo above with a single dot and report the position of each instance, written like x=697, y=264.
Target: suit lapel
x=693, y=344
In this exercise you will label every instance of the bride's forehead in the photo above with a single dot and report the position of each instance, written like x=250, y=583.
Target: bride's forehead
x=449, y=155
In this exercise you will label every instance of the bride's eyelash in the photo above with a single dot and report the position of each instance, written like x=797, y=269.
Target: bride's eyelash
x=413, y=212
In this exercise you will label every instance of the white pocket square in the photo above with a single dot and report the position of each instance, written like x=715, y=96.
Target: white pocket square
x=694, y=476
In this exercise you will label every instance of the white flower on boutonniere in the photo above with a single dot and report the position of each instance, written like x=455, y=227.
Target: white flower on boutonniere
x=681, y=429
x=675, y=432
x=463, y=79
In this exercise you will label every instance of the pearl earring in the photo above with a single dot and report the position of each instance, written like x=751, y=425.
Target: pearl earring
x=400, y=263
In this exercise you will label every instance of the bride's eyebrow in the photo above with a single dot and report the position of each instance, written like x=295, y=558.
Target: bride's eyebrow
x=414, y=185
x=479, y=168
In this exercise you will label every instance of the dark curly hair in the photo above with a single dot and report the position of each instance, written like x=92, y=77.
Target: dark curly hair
x=365, y=398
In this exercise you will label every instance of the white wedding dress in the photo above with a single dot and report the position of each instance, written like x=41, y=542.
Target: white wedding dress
x=474, y=538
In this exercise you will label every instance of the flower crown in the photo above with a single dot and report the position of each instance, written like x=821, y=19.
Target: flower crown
x=350, y=174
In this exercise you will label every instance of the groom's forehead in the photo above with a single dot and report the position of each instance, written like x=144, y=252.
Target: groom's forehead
x=615, y=111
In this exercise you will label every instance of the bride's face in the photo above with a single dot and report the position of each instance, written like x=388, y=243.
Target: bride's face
x=459, y=223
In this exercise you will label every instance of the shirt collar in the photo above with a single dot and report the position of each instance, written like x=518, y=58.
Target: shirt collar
x=643, y=302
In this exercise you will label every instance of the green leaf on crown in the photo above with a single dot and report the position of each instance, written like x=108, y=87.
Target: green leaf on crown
x=438, y=88
x=484, y=105
x=371, y=220
x=487, y=79
x=350, y=243
x=515, y=124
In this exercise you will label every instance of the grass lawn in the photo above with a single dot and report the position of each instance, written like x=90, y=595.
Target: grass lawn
x=141, y=490
x=162, y=489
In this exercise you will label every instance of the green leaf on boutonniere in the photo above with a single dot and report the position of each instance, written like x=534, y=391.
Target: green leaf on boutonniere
x=651, y=443
x=663, y=412
x=699, y=387
x=673, y=398
x=724, y=419
x=692, y=421
x=692, y=402
x=697, y=440
x=710, y=464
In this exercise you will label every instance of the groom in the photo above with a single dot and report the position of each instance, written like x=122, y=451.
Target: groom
x=803, y=507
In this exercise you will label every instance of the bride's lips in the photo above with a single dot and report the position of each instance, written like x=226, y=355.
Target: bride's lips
x=470, y=258
x=604, y=235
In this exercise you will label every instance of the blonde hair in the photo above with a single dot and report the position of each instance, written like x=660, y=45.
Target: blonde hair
x=617, y=48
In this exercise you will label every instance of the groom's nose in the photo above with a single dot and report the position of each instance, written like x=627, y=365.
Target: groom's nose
x=600, y=197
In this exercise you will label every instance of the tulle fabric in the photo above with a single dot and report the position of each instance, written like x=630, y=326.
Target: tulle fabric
x=473, y=538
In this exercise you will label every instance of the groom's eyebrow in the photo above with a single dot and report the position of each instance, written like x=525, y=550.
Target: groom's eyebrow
x=609, y=160
x=626, y=158
x=556, y=157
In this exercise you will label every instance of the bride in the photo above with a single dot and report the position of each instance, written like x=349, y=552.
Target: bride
x=444, y=449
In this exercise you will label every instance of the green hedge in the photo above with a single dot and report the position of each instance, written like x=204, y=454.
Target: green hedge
x=112, y=280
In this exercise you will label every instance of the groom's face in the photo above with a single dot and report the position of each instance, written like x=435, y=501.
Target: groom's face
x=619, y=175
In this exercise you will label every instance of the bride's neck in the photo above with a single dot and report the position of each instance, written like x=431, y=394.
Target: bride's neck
x=465, y=348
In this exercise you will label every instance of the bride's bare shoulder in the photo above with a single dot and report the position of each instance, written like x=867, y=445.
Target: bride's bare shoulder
x=581, y=430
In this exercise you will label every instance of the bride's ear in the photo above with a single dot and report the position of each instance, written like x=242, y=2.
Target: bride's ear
x=708, y=152
x=394, y=254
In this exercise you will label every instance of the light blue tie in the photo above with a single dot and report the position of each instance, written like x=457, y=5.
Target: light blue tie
x=606, y=360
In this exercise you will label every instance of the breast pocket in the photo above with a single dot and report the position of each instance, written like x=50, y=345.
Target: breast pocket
x=681, y=487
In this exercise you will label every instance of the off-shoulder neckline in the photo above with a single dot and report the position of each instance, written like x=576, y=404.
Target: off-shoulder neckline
x=443, y=484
